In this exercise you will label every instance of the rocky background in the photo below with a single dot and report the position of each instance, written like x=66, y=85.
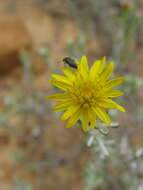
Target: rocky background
x=37, y=152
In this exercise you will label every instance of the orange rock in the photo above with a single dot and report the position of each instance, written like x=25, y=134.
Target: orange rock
x=14, y=37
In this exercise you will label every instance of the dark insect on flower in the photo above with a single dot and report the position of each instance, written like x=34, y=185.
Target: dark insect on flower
x=70, y=62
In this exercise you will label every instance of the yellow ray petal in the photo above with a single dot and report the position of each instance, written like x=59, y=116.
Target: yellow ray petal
x=119, y=107
x=113, y=83
x=63, y=106
x=69, y=73
x=59, y=97
x=71, y=110
x=85, y=122
x=110, y=104
x=94, y=70
x=105, y=103
x=61, y=79
x=83, y=66
x=75, y=117
x=97, y=68
x=101, y=113
x=103, y=62
x=61, y=85
x=92, y=119
x=107, y=72
x=113, y=93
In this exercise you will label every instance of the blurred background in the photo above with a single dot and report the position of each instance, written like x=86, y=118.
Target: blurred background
x=36, y=151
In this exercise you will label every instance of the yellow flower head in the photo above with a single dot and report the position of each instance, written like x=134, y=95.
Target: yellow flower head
x=87, y=93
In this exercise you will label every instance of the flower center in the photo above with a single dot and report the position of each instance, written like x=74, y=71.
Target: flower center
x=85, y=94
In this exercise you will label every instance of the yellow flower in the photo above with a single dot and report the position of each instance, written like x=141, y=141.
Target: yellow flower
x=87, y=93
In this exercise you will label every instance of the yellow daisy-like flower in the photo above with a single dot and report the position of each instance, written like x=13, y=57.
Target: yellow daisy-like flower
x=87, y=93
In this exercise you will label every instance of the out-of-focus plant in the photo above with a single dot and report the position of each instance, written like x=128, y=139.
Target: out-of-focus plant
x=24, y=116
x=132, y=83
x=113, y=165
x=19, y=184
x=45, y=53
x=77, y=48
x=19, y=155
x=139, y=114
x=127, y=23
x=121, y=28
